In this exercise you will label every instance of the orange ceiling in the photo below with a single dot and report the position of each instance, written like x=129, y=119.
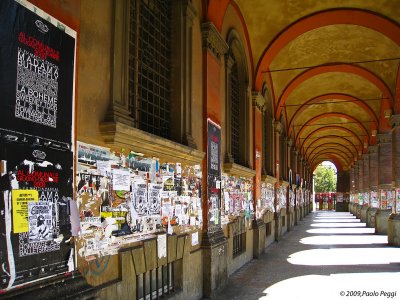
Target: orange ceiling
x=331, y=67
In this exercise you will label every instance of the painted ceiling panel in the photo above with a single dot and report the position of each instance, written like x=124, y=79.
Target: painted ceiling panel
x=265, y=19
x=334, y=82
x=337, y=43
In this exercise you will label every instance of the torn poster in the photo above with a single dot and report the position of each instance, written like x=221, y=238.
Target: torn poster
x=162, y=245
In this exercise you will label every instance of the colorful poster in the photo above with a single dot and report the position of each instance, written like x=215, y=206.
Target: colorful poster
x=20, y=200
x=37, y=86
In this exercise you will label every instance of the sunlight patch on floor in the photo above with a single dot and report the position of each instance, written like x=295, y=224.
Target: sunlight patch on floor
x=345, y=256
x=342, y=230
x=337, y=286
x=338, y=224
x=345, y=240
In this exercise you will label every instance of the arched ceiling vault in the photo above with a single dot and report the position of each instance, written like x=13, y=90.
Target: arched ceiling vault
x=331, y=67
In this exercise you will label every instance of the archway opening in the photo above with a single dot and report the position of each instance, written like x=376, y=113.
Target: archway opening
x=325, y=182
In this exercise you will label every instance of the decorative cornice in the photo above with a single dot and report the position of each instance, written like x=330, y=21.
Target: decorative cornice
x=384, y=138
x=258, y=101
x=268, y=179
x=236, y=170
x=394, y=120
x=123, y=136
x=283, y=183
x=212, y=40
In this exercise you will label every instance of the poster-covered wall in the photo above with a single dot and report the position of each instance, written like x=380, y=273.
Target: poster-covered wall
x=37, y=57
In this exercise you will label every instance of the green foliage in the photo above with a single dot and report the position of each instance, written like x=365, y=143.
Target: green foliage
x=325, y=179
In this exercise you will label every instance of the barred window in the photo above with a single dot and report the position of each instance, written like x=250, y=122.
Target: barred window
x=150, y=66
x=235, y=114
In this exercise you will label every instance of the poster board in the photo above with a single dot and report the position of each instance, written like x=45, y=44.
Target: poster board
x=214, y=175
x=37, y=65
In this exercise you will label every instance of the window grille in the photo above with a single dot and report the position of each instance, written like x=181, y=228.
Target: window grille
x=150, y=66
x=239, y=244
x=156, y=283
x=268, y=229
x=235, y=114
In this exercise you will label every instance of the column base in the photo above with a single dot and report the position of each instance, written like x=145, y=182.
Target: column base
x=363, y=214
x=215, y=267
x=394, y=230
x=259, y=235
x=371, y=213
x=381, y=221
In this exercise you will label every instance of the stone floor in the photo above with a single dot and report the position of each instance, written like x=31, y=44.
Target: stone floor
x=329, y=255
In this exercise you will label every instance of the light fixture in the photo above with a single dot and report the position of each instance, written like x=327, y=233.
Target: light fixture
x=373, y=132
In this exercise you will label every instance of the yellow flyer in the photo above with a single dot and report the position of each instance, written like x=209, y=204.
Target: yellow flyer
x=20, y=199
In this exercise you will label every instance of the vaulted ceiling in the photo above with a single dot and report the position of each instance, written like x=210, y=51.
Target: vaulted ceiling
x=331, y=68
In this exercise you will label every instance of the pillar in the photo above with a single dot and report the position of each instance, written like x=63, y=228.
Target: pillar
x=257, y=224
x=278, y=160
x=373, y=185
x=394, y=219
x=343, y=188
x=384, y=181
x=214, y=243
x=365, y=190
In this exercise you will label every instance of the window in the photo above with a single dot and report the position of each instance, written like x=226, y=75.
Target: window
x=235, y=114
x=267, y=120
x=237, y=106
x=149, y=65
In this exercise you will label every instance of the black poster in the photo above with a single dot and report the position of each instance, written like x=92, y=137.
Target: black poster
x=36, y=158
x=36, y=74
x=214, y=175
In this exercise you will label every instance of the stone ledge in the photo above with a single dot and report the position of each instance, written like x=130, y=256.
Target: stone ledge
x=236, y=170
x=120, y=135
x=268, y=179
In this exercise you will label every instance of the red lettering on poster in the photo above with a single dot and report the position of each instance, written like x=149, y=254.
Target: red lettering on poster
x=39, y=179
x=41, y=49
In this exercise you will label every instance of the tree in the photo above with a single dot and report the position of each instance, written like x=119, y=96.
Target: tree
x=325, y=179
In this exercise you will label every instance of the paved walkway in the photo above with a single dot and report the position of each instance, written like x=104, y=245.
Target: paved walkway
x=329, y=255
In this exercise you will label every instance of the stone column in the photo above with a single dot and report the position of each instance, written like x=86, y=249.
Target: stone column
x=373, y=185
x=295, y=175
x=394, y=219
x=364, y=162
x=214, y=243
x=343, y=186
x=278, y=160
x=384, y=180
x=257, y=224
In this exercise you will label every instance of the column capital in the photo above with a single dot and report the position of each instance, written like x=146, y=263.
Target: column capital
x=373, y=149
x=278, y=127
x=213, y=41
x=394, y=120
x=258, y=101
x=384, y=138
